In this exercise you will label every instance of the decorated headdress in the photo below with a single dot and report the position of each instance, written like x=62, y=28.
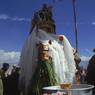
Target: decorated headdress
x=43, y=19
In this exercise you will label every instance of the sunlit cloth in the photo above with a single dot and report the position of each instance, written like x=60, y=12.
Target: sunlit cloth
x=60, y=52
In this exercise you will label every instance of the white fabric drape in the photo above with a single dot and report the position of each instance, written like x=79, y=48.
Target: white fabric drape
x=60, y=52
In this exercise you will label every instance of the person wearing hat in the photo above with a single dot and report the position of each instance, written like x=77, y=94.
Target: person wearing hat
x=3, y=70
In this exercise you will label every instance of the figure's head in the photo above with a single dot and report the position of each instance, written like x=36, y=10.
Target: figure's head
x=5, y=66
x=16, y=68
x=43, y=19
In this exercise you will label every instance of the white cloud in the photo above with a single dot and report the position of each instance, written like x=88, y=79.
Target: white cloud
x=15, y=18
x=10, y=57
x=88, y=51
x=19, y=19
x=88, y=54
x=4, y=16
x=85, y=58
x=93, y=23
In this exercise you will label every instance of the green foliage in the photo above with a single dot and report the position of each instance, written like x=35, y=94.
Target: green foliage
x=43, y=76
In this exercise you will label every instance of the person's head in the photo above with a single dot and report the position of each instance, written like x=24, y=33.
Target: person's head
x=17, y=69
x=5, y=66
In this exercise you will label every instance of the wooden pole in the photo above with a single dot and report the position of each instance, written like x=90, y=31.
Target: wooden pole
x=75, y=24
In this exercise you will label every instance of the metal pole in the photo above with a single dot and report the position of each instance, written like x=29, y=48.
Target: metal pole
x=75, y=24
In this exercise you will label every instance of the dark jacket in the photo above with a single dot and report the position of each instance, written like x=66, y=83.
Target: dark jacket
x=90, y=77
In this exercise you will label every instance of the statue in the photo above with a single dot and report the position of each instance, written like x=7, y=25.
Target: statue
x=46, y=58
x=43, y=20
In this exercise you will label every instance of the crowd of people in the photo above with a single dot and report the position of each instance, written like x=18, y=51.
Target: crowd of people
x=88, y=75
x=9, y=80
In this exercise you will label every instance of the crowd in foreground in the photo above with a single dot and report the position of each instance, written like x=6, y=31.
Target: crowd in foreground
x=9, y=81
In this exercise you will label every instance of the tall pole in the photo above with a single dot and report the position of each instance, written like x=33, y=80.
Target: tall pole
x=75, y=24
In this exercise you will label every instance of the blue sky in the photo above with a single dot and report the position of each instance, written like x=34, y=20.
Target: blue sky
x=15, y=19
